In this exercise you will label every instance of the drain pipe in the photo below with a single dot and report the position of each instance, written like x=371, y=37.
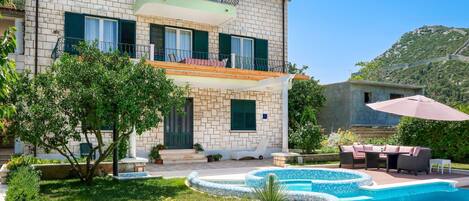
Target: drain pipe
x=36, y=38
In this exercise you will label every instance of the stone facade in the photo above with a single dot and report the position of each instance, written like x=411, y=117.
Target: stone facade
x=212, y=121
x=255, y=18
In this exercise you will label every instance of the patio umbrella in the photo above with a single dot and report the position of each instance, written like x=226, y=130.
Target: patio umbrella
x=420, y=107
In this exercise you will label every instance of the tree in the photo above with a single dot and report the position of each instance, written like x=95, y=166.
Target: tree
x=307, y=134
x=294, y=69
x=304, y=94
x=7, y=70
x=79, y=95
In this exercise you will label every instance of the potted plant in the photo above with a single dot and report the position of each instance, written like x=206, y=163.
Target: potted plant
x=210, y=158
x=155, y=153
x=198, y=148
x=217, y=157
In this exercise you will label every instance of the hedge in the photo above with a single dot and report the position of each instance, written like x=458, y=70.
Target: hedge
x=446, y=139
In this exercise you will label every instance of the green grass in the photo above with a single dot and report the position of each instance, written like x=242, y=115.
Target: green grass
x=462, y=166
x=107, y=189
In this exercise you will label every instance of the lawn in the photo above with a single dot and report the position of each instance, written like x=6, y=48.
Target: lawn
x=107, y=189
x=462, y=166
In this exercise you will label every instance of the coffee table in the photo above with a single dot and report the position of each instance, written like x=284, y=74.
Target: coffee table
x=372, y=159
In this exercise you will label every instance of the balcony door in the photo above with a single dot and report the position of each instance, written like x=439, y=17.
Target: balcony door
x=178, y=44
x=244, y=50
x=104, y=31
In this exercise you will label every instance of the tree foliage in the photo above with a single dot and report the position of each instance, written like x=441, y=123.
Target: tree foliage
x=307, y=134
x=304, y=94
x=446, y=139
x=7, y=72
x=79, y=95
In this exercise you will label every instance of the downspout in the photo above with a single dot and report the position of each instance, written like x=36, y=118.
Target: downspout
x=35, y=55
x=283, y=37
x=36, y=38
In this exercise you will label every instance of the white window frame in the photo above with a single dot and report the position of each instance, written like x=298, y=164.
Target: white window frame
x=101, y=28
x=178, y=35
x=241, y=40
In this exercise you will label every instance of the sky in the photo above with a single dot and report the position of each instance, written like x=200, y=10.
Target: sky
x=331, y=36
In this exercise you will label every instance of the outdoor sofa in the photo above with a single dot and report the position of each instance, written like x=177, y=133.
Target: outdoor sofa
x=355, y=155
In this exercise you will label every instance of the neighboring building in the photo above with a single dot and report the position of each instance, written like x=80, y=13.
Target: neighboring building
x=232, y=54
x=346, y=108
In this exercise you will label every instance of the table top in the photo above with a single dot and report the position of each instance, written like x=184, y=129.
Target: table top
x=384, y=152
x=439, y=160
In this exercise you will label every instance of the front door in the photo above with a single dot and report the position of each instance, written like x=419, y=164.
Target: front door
x=178, y=128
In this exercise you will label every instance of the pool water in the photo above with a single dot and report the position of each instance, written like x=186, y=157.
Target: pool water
x=456, y=195
x=437, y=191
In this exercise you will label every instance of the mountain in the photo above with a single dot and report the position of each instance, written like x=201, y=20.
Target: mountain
x=436, y=57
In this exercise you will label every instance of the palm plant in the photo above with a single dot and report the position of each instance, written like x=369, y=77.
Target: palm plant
x=272, y=191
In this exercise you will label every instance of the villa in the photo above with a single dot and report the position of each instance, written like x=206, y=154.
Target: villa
x=232, y=54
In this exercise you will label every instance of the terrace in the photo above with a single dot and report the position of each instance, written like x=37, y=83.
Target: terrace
x=189, y=63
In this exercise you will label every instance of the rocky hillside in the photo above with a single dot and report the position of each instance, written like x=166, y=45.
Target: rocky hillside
x=425, y=57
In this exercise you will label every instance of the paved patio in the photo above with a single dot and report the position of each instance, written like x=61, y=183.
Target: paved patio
x=236, y=170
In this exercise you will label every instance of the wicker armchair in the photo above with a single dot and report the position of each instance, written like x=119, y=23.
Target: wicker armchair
x=416, y=162
x=349, y=157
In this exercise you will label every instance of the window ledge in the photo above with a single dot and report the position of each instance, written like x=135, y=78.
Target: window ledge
x=242, y=131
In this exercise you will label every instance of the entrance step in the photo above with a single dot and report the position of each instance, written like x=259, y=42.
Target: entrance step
x=178, y=156
x=5, y=155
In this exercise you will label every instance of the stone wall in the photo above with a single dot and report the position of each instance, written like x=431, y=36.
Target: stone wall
x=255, y=18
x=212, y=123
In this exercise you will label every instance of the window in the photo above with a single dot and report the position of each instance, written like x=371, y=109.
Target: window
x=367, y=97
x=243, y=48
x=178, y=44
x=394, y=96
x=243, y=115
x=102, y=30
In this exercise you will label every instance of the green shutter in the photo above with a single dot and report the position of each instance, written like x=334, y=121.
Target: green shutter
x=200, y=44
x=243, y=115
x=74, y=31
x=261, y=54
x=224, y=48
x=127, y=37
x=157, y=38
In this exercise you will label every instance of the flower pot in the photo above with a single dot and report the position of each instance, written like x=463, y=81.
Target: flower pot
x=210, y=158
x=158, y=161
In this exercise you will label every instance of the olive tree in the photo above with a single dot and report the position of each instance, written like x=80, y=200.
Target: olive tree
x=80, y=94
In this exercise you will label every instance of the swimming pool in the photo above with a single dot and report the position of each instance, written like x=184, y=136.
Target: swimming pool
x=333, y=185
x=322, y=180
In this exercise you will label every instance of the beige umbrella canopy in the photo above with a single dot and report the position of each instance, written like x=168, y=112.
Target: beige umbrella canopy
x=420, y=107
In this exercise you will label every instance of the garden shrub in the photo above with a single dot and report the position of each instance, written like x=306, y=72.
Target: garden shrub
x=26, y=160
x=446, y=139
x=307, y=136
x=346, y=137
x=381, y=140
x=23, y=185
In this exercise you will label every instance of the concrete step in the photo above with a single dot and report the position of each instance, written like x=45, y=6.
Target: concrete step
x=177, y=151
x=166, y=162
x=183, y=157
x=178, y=156
x=6, y=151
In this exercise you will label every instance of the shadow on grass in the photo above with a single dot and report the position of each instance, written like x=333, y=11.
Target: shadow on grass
x=108, y=189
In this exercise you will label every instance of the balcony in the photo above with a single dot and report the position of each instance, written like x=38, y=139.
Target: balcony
x=213, y=12
x=189, y=63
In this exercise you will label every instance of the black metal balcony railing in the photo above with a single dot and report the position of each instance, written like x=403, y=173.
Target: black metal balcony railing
x=175, y=55
x=229, y=2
